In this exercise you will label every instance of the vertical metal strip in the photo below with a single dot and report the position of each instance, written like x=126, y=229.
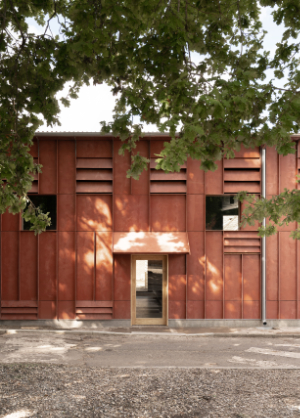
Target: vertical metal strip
x=38, y=241
x=297, y=282
x=204, y=245
x=94, y=284
x=263, y=242
x=19, y=263
x=57, y=244
x=113, y=224
x=75, y=199
x=186, y=288
x=242, y=287
x=149, y=193
x=223, y=281
x=279, y=296
x=38, y=274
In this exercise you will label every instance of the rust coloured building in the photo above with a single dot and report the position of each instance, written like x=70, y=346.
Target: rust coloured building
x=166, y=247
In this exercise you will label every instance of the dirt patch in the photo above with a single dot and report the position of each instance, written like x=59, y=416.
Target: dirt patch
x=39, y=390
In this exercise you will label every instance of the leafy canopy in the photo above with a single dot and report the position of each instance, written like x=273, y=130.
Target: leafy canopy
x=193, y=66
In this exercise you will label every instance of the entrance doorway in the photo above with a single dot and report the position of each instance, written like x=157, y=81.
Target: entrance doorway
x=149, y=293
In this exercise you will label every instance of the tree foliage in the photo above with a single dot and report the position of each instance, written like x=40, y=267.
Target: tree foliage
x=193, y=66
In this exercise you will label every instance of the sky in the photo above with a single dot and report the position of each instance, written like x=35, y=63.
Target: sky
x=96, y=103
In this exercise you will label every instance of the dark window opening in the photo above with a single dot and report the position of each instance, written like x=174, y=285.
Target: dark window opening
x=222, y=213
x=46, y=204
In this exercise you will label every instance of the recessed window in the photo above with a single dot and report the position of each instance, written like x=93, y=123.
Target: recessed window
x=46, y=204
x=222, y=213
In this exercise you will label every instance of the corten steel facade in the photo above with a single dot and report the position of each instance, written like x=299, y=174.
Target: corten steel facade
x=73, y=273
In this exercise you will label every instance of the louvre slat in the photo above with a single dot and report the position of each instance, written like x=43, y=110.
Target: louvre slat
x=85, y=174
x=167, y=187
x=94, y=163
x=242, y=250
x=19, y=304
x=235, y=187
x=153, y=164
x=160, y=175
x=242, y=163
x=94, y=311
x=93, y=187
x=242, y=175
x=242, y=242
x=94, y=304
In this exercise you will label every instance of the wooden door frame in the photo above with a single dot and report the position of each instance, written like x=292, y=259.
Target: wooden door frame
x=165, y=299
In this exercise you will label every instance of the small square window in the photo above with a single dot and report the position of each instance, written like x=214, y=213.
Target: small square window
x=222, y=213
x=46, y=204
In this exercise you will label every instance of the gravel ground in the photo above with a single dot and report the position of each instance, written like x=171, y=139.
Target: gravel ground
x=38, y=390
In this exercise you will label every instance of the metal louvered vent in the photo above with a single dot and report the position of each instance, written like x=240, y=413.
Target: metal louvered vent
x=94, y=175
x=161, y=182
x=242, y=174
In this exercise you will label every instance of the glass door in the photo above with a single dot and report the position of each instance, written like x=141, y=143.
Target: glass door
x=149, y=289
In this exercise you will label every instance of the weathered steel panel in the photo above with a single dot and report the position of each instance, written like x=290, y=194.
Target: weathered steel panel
x=287, y=271
x=288, y=172
x=131, y=213
x=272, y=184
x=247, y=152
x=195, y=267
x=249, y=227
x=168, y=213
x=94, y=148
x=34, y=151
x=242, y=163
x=9, y=264
x=66, y=266
x=10, y=222
x=233, y=309
x=66, y=212
x=272, y=309
x=94, y=213
x=177, y=277
x=104, y=266
x=177, y=309
x=28, y=266
x=122, y=309
x=195, y=309
x=47, y=310
x=214, y=266
x=252, y=309
x=66, y=309
x=66, y=167
x=288, y=309
x=251, y=276
x=47, y=180
x=156, y=147
x=141, y=186
x=85, y=265
x=272, y=270
x=195, y=177
x=195, y=212
x=122, y=277
x=214, y=180
x=214, y=309
x=47, y=266
x=233, y=277
x=121, y=165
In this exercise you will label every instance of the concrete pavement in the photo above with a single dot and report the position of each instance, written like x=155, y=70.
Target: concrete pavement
x=150, y=351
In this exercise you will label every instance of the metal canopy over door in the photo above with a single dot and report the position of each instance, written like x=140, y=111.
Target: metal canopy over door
x=149, y=289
